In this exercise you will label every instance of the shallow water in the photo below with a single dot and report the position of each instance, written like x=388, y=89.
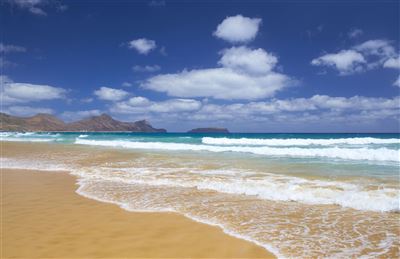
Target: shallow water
x=298, y=204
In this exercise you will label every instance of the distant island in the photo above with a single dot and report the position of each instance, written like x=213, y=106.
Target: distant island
x=48, y=122
x=209, y=130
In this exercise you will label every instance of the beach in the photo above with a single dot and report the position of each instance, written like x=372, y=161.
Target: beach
x=43, y=217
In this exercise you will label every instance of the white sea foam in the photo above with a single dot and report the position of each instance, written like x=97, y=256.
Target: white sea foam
x=16, y=139
x=41, y=165
x=297, y=141
x=268, y=186
x=28, y=136
x=380, y=154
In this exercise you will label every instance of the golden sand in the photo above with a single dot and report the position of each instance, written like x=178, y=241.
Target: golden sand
x=42, y=216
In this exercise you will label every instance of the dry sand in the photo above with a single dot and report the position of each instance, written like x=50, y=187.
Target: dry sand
x=42, y=216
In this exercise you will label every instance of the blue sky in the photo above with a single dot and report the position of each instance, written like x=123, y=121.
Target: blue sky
x=256, y=66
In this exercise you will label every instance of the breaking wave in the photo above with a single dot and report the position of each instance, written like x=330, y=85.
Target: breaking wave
x=297, y=141
x=379, y=154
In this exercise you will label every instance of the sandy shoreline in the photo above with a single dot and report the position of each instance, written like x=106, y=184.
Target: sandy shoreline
x=42, y=216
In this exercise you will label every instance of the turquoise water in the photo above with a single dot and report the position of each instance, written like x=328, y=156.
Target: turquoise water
x=337, y=154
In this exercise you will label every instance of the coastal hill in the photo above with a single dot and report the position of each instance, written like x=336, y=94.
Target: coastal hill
x=209, y=130
x=47, y=122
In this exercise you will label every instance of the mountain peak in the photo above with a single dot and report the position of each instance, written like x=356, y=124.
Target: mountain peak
x=104, y=116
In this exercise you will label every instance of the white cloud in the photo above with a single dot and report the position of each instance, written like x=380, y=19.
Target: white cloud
x=11, y=92
x=138, y=101
x=176, y=105
x=110, y=94
x=77, y=115
x=238, y=29
x=392, y=63
x=317, y=109
x=345, y=61
x=143, y=105
x=355, y=33
x=11, y=48
x=34, y=6
x=142, y=45
x=302, y=112
x=377, y=47
x=219, y=83
x=238, y=78
x=368, y=55
x=126, y=84
x=26, y=110
x=256, y=61
x=146, y=68
x=397, y=82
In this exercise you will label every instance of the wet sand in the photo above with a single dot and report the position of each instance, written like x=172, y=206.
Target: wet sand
x=42, y=216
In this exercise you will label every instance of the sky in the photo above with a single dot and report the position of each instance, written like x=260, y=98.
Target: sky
x=249, y=66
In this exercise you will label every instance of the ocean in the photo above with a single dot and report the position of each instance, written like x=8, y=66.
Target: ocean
x=297, y=195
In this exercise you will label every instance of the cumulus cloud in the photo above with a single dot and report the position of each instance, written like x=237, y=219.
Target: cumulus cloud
x=397, y=82
x=77, y=115
x=142, y=45
x=26, y=110
x=377, y=47
x=345, y=61
x=392, y=63
x=371, y=54
x=11, y=93
x=143, y=105
x=147, y=68
x=244, y=74
x=256, y=61
x=110, y=94
x=238, y=29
